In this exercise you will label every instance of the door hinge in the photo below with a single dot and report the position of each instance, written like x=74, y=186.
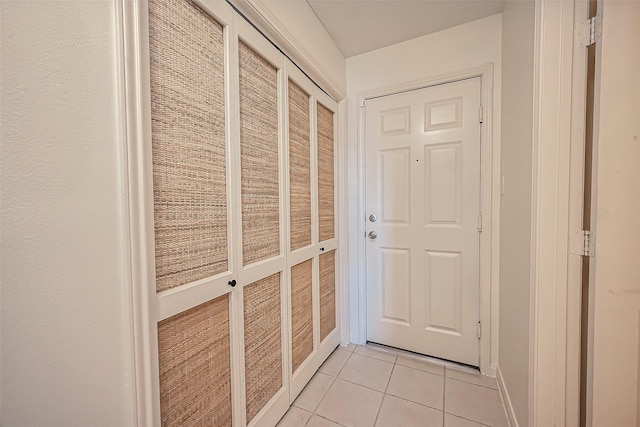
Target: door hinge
x=479, y=223
x=363, y=103
x=589, y=31
x=481, y=114
x=479, y=330
x=583, y=243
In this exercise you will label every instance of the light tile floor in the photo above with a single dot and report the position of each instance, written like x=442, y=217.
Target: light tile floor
x=365, y=386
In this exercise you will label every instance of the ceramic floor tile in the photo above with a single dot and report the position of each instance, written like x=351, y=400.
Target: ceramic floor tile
x=367, y=371
x=423, y=364
x=295, y=417
x=453, y=421
x=335, y=362
x=318, y=421
x=473, y=377
x=350, y=404
x=396, y=412
x=313, y=392
x=349, y=347
x=474, y=402
x=377, y=353
x=417, y=386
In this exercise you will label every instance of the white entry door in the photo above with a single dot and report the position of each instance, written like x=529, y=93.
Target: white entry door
x=423, y=220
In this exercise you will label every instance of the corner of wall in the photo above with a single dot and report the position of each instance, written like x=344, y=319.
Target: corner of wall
x=506, y=400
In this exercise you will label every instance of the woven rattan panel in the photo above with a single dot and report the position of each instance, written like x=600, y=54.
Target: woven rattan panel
x=262, y=342
x=327, y=293
x=325, y=174
x=188, y=143
x=299, y=167
x=195, y=370
x=301, y=313
x=259, y=157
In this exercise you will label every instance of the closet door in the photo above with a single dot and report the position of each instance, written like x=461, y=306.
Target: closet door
x=327, y=208
x=262, y=275
x=192, y=212
x=307, y=258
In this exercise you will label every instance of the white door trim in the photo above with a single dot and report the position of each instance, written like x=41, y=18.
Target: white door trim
x=558, y=136
x=490, y=210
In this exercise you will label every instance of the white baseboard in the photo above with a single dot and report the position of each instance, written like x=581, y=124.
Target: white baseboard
x=506, y=401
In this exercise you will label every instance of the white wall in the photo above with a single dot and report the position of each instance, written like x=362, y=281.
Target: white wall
x=455, y=49
x=66, y=350
x=615, y=349
x=299, y=20
x=515, y=207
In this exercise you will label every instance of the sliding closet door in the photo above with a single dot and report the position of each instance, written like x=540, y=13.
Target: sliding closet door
x=191, y=211
x=262, y=277
x=312, y=286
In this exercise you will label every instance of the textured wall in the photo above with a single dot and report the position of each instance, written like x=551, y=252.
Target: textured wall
x=66, y=350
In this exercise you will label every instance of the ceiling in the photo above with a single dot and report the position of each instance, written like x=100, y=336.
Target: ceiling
x=358, y=26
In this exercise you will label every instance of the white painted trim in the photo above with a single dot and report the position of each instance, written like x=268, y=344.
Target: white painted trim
x=576, y=211
x=341, y=221
x=490, y=208
x=506, y=399
x=271, y=27
x=136, y=394
x=552, y=122
x=138, y=128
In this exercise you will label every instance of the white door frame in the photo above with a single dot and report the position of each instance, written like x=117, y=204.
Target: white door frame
x=558, y=160
x=489, y=209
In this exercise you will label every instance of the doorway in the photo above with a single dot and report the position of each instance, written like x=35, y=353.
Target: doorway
x=423, y=187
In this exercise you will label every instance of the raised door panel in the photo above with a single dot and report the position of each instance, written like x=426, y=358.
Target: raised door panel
x=301, y=313
x=195, y=366
x=188, y=143
x=327, y=294
x=259, y=164
x=326, y=173
x=262, y=343
x=299, y=167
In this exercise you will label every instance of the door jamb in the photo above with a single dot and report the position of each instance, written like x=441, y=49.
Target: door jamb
x=489, y=209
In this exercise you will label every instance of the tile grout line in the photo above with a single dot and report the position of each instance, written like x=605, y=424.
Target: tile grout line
x=384, y=393
x=444, y=394
x=329, y=388
x=472, y=383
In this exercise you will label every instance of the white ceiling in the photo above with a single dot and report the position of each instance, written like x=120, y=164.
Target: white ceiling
x=358, y=26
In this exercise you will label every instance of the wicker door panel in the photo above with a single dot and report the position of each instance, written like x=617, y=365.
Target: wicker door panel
x=327, y=293
x=326, y=203
x=195, y=368
x=263, y=342
x=301, y=313
x=299, y=167
x=188, y=143
x=259, y=157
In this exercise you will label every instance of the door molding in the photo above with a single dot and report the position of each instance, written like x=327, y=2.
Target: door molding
x=489, y=209
x=558, y=138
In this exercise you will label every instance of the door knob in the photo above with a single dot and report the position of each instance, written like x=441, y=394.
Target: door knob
x=373, y=235
x=373, y=218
